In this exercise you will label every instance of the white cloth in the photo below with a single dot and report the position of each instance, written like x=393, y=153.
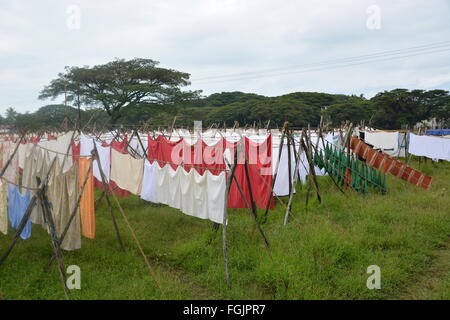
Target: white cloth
x=201, y=196
x=127, y=171
x=21, y=152
x=161, y=184
x=59, y=148
x=384, y=141
x=216, y=186
x=281, y=186
x=148, y=191
x=11, y=172
x=430, y=147
x=104, y=155
x=86, y=147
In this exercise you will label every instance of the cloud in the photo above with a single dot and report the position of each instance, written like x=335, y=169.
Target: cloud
x=212, y=38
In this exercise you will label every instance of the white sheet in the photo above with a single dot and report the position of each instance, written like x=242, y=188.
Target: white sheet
x=430, y=147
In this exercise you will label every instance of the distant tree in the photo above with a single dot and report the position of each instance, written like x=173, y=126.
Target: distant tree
x=10, y=115
x=353, y=112
x=401, y=106
x=120, y=85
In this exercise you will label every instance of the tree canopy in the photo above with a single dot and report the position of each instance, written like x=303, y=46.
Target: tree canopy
x=121, y=84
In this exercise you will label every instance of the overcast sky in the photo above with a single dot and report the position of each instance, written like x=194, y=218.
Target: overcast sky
x=264, y=46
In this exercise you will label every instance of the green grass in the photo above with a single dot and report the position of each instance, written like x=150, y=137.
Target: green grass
x=323, y=253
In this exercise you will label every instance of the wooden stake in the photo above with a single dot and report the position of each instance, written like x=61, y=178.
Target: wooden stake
x=11, y=156
x=26, y=216
x=72, y=215
x=106, y=186
x=225, y=221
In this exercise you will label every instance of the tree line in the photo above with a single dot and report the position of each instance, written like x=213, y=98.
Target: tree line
x=138, y=91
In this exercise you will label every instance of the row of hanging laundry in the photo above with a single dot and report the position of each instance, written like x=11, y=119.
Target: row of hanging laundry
x=194, y=184
x=283, y=175
x=396, y=144
x=201, y=188
x=62, y=191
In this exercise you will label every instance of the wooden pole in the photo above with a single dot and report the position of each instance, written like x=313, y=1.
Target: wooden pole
x=291, y=192
x=11, y=156
x=106, y=186
x=72, y=215
x=276, y=168
x=48, y=218
x=225, y=221
x=312, y=173
x=26, y=215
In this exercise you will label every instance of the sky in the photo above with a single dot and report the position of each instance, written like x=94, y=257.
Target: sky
x=266, y=47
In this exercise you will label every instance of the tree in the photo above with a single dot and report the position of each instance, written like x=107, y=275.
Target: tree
x=10, y=115
x=353, y=112
x=398, y=107
x=401, y=106
x=120, y=85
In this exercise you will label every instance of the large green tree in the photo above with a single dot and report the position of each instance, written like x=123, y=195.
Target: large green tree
x=400, y=107
x=354, y=112
x=120, y=85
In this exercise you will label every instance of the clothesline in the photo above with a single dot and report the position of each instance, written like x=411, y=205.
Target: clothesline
x=17, y=185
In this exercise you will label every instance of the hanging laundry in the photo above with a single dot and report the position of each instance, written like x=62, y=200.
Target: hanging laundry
x=105, y=162
x=75, y=151
x=17, y=206
x=281, y=186
x=383, y=161
x=438, y=132
x=3, y=208
x=187, y=185
x=201, y=196
x=430, y=147
x=383, y=141
x=161, y=184
x=60, y=148
x=127, y=172
x=136, y=145
x=173, y=186
x=148, y=191
x=33, y=168
x=62, y=193
x=21, y=152
x=11, y=173
x=87, y=211
x=216, y=186
x=260, y=175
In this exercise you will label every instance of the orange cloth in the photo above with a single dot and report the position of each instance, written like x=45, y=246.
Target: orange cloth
x=87, y=199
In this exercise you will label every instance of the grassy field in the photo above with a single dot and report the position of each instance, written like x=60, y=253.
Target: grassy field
x=323, y=253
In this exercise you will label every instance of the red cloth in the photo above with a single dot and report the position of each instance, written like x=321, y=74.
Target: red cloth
x=75, y=151
x=384, y=162
x=34, y=139
x=202, y=156
x=259, y=157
